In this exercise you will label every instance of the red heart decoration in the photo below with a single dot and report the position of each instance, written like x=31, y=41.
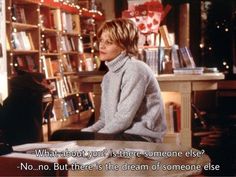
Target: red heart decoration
x=155, y=21
x=141, y=26
x=150, y=14
x=149, y=25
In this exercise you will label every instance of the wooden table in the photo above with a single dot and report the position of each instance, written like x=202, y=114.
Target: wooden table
x=184, y=84
x=120, y=163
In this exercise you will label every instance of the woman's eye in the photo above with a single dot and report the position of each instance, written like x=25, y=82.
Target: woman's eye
x=108, y=42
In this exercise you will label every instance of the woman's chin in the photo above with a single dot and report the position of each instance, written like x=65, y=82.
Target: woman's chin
x=103, y=59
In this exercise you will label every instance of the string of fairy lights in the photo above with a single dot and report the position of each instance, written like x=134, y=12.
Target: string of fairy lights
x=81, y=10
x=220, y=25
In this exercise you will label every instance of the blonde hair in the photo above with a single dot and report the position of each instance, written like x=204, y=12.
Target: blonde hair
x=123, y=32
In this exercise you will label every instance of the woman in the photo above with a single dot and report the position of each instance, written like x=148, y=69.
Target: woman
x=131, y=103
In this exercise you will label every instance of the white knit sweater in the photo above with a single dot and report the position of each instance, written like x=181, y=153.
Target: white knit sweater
x=131, y=101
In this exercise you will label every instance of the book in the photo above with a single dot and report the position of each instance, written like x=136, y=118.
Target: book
x=56, y=16
x=76, y=24
x=60, y=89
x=55, y=66
x=57, y=108
x=20, y=62
x=165, y=35
x=173, y=117
x=186, y=57
x=66, y=63
x=85, y=102
x=175, y=57
x=49, y=44
x=16, y=42
x=72, y=43
x=31, y=63
x=22, y=16
x=26, y=41
x=194, y=71
x=47, y=67
x=64, y=21
x=18, y=14
x=31, y=41
x=45, y=18
x=150, y=57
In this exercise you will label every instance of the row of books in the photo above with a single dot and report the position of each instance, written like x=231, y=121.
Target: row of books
x=54, y=66
x=51, y=67
x=18, y=14
x=182, y=57
x=51, y=18
x=64, y=108
x=183, y=62
x=155, y=57
x=22, y=41
x=71, y=105
x=68, y=44
x=49, y=44
x=86, y=101
x=71, y=22
x=25, y=62
x=55, y=19
x=65, y=86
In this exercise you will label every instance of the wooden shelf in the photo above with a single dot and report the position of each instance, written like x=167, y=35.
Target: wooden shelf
x=53, y=78
x=24, y=2
x=50, y=31
x=69, y=73
x=71, y=34
x=70, y=53
x=23, y=26
x=50, y=54
x=17, y=52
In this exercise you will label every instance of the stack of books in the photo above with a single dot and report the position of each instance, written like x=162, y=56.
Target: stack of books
x=195, y=70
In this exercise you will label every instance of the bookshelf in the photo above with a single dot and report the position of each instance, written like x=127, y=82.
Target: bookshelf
x=46, y=36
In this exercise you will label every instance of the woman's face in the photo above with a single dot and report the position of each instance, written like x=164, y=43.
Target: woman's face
x=108, y=49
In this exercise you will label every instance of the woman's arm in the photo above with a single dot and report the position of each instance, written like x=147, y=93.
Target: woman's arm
x=99, y=124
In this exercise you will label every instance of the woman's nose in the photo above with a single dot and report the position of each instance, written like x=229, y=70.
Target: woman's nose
x=101, y=45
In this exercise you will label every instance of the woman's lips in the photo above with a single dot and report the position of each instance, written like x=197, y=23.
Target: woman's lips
x=102, y=53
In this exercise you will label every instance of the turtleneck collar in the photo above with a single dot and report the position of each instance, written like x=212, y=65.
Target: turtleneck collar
x=117, y=62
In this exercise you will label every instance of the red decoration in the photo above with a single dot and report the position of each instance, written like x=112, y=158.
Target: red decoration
x=147, y=16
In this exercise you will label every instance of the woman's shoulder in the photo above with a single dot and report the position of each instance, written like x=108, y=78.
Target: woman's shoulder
x=135, y=64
